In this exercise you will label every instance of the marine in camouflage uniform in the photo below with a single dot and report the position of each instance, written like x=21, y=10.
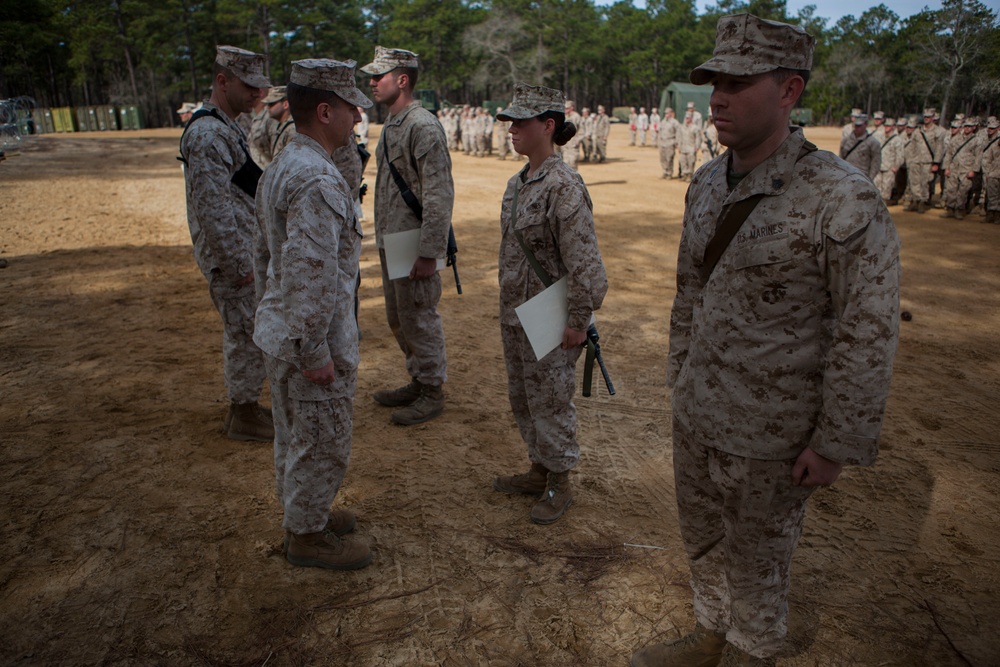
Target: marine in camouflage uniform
x=642, y=125
x=571, y=151
x=602, y=128
x=991, y=170
x=221, y=220
x=862, y=149
x=413, y=141
x=919, y=157
x=780, y=359
x=961, y=166
x=670, y=130
x=633, y=125
x=688, y=142
x=305, y=323
x=554, y=218
x=892, y=160
x=262, y=128
x=503, y=145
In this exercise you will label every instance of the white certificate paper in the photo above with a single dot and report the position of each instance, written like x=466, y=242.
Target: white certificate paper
x=401, y=253
x=544, y=318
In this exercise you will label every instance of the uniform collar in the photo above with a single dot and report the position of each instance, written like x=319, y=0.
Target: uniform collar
x=773, y=175
x=550, y=162
x=311, y=143
x=396, y=119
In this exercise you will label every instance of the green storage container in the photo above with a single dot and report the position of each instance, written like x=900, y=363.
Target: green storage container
x=62, y=119
x=130, y=118
x=107, y=119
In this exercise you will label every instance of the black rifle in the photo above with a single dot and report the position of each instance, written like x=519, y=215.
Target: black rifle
x=452, y=252
x=594, y=351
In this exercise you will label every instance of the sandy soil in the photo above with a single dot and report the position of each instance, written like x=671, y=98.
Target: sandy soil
x=134, y=533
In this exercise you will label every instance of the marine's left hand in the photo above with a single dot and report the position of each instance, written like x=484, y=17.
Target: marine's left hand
x=812, y=469
x=423, y=268
x=573, y=338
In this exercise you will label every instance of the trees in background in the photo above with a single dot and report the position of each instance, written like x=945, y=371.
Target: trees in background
x=157, y=53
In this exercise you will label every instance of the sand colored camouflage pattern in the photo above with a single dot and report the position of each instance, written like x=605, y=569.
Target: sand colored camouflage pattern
x=710, y=146
x=276, y=94
x=991, y=172
x=531, y=101
x=313, y=238
x=221, y=221
x=541, y=399
x=670, y=129
x=387, y=60
x=330, y=75
x=688, y=142
x=571, y=151
x=602, y=128
x=740, y=583
x=790, y=342
x=284, y=132
x=419, y=151
x=556, y=220
x=246, y=65
x=892, y=160
x=965, y=156
x=863, y=152
x=919, y=155
x=993, y=123
x=312, y=444
x=746, y=45
x=262, y=128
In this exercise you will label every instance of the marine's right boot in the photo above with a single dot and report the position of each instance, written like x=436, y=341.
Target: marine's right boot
x=325, y=549
x=554, y=501
x=397, y=398
x=429, y=405
x=531, y=483
x=250, y=421
x=701, y=648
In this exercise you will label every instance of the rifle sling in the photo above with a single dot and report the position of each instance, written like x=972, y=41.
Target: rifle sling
x=861, y=141
x=543, y=275
x=730, y=222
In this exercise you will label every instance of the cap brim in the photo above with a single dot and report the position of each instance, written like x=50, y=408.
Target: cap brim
x=355, y=97
x=704, y=73
x=516, y=113
x=256, y=81
x=376, y=69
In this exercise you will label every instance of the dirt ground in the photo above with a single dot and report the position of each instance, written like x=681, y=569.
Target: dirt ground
x=135, y=533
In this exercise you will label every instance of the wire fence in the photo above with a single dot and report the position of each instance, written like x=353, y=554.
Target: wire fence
x=15, y=122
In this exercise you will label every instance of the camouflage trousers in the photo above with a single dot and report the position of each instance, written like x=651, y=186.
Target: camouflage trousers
x=667, y=158
x=242, y=360
x=917, y=177
x=884, y=181
x=641, y=137
x=541, y=398
x=600, y=149
x=956, y=189
x=687, y=161
x=631, y=137
x=740, y=520
x=992, y=187
x=502, y=145
x=312, y=442
x=411, y=310
x=571, y=155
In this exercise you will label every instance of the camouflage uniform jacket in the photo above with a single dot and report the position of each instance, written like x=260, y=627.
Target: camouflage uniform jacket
x=892, y=152
x=936, y=136
x=669, y=132
x=964, y=154
x=602, y=126
x=314, y=239
x=710, y=145
x=283, y=133
x=688, y=138
x=556, y=220
x=577, y=121
x=919, y=149
x=262, y=129
x=991, y=157
x=789, y=344
x=419, y=151
x=220, y=215
x=863, y=152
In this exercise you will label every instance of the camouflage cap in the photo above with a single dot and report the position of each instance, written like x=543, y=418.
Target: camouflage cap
x=746, y=45
x=890, y=122
x=187, y=107
x=956, y=123
x=901, y=121
x=330, y=75
x=972, y=121
x=387, y=60
x=531, y=101
x=911, y=122
x=276, y=94
x=993, y=123
x=690, y=105
x=860, y=119
x=929, y=112
x=856, y=112
x=878, y=115
x=246, y=65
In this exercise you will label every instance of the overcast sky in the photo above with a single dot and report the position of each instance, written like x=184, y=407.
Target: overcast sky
x=834, y=9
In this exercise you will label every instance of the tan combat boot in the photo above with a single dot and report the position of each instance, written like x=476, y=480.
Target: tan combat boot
x=959, y=213
x=734, y=657
x=324, y=549
x=921, y=207
x=429, y=405
x=701, y=648
x=397, y=398
x=249, y=421
x=555, y=500
x=339, y=522
x=531, y=483
x=948, y=213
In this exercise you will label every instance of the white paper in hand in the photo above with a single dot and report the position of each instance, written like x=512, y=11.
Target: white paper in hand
x=544, y=318
x=401, y=253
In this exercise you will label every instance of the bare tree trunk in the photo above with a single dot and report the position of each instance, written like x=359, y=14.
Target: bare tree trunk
x=120, y=21
x=265, y=36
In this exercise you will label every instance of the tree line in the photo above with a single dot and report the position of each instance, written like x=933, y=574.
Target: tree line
x=157, y=53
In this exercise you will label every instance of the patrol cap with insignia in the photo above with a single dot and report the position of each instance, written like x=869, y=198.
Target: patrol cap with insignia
x=993, y=123
x=531, y=101
x=246, y=65
x=276, y=94
x=746, y=45
x=387, y=60
x=332, y=76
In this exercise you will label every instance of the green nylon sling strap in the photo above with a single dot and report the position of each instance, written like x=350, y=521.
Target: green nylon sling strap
x=543, y=275
x=731, y=221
